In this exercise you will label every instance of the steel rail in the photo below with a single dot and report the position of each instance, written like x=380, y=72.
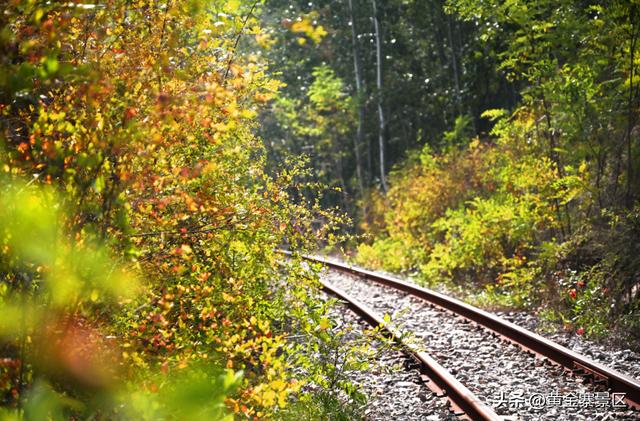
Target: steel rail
x=527, y=340
x=442, y=383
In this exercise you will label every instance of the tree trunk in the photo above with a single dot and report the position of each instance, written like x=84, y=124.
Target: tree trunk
x=379, y=97
x=630, y=107
x=454, y=65
x=358, y=140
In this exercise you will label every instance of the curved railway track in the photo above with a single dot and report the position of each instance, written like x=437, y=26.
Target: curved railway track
x=463, y=401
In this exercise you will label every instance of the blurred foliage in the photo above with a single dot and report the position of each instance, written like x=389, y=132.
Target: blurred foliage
x=320, y=119
x=138, y=226
x=437, y=76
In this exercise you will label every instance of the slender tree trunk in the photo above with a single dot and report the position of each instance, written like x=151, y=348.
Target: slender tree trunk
x=619, y=150
x=601, y=161
x=358, y=140
x=369, y=158
x=379, y=97
x=631, y=114
x=552, y=154
x=454, y=64
x=340, y=168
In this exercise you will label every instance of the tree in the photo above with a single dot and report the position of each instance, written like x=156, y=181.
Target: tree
x=138, y=224
x=379, y=94
x=359, y=94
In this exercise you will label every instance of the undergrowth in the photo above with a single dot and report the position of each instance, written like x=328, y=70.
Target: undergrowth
x=498, y=223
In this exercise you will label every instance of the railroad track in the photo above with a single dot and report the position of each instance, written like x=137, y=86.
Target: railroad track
x=555, y=365
x=462, y=401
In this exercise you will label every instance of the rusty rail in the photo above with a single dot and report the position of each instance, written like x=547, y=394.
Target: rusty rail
x=461, y=399
x=526, y=339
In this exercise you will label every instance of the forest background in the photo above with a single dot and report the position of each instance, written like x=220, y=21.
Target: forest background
x=490, y=147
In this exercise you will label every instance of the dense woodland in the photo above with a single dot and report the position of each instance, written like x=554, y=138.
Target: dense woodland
x=154, y=155
x=489, y=146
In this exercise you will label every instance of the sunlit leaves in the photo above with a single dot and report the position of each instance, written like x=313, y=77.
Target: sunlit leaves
x=69, y=271
x=27, y=213
x=138, y=118
x=472, y=216
x=307, y=26
x=195, y=394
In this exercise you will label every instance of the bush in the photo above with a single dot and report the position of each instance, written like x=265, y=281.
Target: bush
x=138, y=277
x=494, y=220
x=602, y=294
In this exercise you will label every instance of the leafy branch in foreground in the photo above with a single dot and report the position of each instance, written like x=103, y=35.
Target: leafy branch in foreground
x=137, y=266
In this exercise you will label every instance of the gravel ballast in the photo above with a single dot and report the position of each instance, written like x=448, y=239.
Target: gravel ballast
x=394, y=390
x=623, y=360
x=514, y=383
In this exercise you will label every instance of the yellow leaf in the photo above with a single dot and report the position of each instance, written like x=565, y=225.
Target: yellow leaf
x=583, y=167
x=232, y=6
x=268, y=398
x=302, y=26
x=248, y=114
x=324, y=324
x=264, y=40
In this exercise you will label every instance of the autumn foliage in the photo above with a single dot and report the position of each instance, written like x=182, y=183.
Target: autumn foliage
x=137, y=224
